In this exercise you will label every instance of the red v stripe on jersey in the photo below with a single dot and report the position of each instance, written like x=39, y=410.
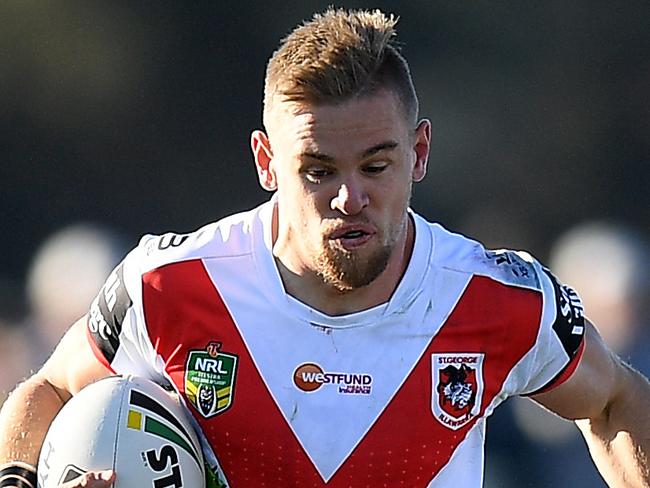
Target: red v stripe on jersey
x=498, y=320
x=406, y=446
x=254, y=444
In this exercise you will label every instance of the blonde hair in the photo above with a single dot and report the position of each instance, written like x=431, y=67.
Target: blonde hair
x=339, y=55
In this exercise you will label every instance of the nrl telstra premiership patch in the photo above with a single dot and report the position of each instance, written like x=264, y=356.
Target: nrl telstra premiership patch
x=210, y=379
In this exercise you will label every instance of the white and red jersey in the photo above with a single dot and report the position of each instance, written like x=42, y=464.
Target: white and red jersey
x=285, y=395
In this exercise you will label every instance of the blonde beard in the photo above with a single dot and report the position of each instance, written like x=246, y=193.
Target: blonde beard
x=347, y=271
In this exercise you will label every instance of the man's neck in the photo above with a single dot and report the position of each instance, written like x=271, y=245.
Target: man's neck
x=310, y=288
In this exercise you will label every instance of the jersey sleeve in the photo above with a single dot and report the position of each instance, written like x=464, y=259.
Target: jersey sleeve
x=117, y=330
x=560, y=340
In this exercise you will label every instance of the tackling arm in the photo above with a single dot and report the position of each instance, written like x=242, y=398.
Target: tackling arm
x=29, y=410
x=610, y=402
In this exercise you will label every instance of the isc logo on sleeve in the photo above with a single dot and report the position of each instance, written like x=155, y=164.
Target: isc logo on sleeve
x=569, y=324
x=107, y=313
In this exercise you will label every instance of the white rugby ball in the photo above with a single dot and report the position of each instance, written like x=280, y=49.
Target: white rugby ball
x=127, y=424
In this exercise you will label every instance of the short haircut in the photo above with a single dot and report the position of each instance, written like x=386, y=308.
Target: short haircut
x=337, y=56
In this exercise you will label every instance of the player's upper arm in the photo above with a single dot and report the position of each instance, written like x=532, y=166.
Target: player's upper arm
x=73, y=364
x=592, y=386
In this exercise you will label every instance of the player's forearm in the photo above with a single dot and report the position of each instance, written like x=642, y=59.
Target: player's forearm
x=619, y=439
x=25, y=418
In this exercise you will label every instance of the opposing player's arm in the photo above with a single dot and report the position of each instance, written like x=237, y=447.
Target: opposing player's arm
x=29, y=410
x=610, y=402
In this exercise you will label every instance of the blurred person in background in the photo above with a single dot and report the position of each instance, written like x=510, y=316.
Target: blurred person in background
x=336, y=270
x=15, y=364
x=610, y=265
x=62, y=280
x=15, y=357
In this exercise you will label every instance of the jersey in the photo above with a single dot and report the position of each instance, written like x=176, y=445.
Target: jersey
x=285, y=395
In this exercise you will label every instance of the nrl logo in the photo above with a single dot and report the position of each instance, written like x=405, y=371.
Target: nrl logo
x=457, y=387
x=210, y=379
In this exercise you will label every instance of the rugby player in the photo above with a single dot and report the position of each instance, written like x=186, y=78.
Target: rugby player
x=354, y=343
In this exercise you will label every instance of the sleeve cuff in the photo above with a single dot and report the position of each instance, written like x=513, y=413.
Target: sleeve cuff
x=564, y=374
x=97, y=352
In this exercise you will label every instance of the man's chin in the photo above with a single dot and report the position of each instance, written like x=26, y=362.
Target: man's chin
x=352, y=270
x=346, y=284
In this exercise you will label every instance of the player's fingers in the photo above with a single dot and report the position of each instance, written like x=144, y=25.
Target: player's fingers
x=92, y=479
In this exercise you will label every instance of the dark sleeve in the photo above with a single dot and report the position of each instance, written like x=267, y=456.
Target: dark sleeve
x=107, y=314
x=568, y=327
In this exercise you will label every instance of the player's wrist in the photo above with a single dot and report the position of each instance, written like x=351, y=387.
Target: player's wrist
x=17, y=474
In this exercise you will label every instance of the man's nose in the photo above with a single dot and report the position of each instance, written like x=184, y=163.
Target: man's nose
x=350, y=199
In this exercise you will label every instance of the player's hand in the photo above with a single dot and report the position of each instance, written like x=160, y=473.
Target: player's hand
x=92, y=479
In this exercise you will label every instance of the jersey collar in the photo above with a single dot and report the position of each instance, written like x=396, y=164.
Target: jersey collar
x=409, y=288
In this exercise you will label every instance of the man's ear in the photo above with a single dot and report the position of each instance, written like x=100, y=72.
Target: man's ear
x=421, y=148
x=263, y=155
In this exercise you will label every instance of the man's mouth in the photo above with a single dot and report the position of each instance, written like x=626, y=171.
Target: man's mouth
x=352, y=236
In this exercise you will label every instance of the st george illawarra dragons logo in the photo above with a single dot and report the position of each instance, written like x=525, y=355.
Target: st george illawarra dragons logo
x=457, y=387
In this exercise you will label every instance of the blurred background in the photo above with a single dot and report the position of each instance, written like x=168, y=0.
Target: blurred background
x=123, y=118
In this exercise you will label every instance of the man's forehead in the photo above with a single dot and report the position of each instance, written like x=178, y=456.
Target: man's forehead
x=377, y=117
x=382, y=100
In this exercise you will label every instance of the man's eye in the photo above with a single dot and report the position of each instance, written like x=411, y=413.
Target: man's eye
x=315, y=174
x=318, y=172
x=375, y=168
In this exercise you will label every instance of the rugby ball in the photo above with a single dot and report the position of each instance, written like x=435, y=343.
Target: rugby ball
x=128, y=424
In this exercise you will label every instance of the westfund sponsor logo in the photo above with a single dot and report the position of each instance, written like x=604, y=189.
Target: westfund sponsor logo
x=310, y=377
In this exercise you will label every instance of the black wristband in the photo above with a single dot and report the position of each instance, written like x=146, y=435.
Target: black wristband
x=18, y=474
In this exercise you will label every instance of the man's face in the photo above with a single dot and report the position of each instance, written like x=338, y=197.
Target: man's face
x=343, y=175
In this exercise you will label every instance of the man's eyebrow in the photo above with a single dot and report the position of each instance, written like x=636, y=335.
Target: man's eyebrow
x=316, y=155
x=383, y=146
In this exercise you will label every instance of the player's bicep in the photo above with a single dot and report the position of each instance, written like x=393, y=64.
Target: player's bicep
x=73, y=363
x=591, y=387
